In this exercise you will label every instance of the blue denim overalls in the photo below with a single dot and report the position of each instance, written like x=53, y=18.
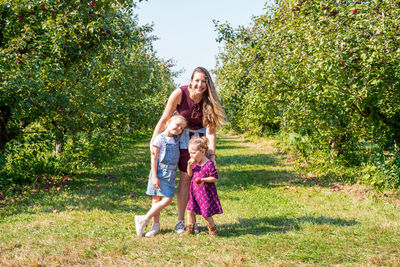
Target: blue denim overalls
x=166, y=170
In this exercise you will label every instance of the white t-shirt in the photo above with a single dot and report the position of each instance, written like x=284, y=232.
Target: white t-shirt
x=159, y=142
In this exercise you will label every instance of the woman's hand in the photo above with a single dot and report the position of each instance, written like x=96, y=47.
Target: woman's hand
x=173, y=101
x=212, y=158
x=152, y=149
x=211, y=135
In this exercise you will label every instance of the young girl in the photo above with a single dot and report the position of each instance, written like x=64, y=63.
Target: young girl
x=203, y=193
x=161, y=185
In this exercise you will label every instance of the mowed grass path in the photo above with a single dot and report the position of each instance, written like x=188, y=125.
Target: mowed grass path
x=272, y=216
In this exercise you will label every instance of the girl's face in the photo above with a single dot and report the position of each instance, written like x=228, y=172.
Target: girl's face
x=175, y=127
x=199, y=83
x=196, y=153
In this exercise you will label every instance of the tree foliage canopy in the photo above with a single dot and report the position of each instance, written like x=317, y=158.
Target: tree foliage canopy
x=326, y=70
x=76, y=69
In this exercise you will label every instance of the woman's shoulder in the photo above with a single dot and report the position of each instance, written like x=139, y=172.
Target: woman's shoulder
x=177, y=92
x=175, y=98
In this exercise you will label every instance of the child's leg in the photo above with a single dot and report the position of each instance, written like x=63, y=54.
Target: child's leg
x=210, y=221
x=191, y=217
x=142, y=220
x=157, y=207
x=156, y=217
x=212, y=229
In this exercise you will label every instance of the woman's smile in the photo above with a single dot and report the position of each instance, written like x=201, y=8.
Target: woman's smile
x=199, y=83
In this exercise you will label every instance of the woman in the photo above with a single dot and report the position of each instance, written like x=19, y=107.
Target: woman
x=200, y=106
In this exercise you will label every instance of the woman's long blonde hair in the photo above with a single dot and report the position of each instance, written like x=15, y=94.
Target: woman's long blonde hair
x=213, y=113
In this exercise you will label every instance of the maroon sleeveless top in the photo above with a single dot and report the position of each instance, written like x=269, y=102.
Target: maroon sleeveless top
x=192, y=112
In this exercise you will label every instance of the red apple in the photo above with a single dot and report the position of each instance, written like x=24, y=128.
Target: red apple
x=43, y=7
x=92, y=3
x=198, y=180
x=354, y=10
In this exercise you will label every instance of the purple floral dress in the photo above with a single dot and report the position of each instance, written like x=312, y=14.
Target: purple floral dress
x=203, y=197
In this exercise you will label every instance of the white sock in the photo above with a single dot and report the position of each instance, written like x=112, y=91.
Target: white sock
x=155, y=227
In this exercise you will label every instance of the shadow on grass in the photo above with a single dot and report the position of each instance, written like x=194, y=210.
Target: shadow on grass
x=264, y=170
x=121, y=182
x=115, y=187
x=238, y=180
x=261, y=226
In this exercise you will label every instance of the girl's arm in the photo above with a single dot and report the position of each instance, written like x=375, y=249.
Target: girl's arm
x=212, y=176
x=189, y=169
x=209, y=179
x=154, y=163
x=173, y=101
x=210, y=133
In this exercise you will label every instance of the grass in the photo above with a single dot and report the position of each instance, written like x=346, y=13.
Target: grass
x=272, y=216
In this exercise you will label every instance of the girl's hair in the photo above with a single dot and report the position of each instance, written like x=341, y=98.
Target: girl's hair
x=213, y=113
x=201, y=142
x=176, y=117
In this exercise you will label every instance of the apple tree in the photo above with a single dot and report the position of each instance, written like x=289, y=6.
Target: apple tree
x=74, y=66
x=326, y=70
x=75, y=70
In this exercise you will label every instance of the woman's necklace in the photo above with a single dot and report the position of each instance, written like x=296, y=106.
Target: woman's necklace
x=195, y=97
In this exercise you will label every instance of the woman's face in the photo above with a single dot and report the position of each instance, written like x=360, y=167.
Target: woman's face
x=199, y=83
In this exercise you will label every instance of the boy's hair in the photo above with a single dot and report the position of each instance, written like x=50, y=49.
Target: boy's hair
x=201, y=142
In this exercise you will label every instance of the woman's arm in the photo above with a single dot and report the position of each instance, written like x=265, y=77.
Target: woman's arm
x=173, y=102
x=154, y=163
x=210, y=133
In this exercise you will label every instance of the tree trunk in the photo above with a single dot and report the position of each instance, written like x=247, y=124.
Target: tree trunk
x=58, y=144
x=5, y=114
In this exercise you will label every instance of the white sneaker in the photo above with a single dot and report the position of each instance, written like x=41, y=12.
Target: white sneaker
x=140, y=223
x=155, y=229
x=196, y=228
x=179, y=227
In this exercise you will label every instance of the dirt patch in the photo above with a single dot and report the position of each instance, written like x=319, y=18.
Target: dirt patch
x=365, y=192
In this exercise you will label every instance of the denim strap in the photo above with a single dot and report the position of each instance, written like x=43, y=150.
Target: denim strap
x=185, y=137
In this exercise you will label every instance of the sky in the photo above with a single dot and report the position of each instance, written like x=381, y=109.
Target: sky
x=186, y=30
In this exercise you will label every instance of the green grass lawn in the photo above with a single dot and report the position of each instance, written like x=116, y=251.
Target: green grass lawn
x=272, y=216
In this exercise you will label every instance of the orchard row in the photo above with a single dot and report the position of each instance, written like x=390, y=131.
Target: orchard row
x=324, y=73
x=75, y=76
